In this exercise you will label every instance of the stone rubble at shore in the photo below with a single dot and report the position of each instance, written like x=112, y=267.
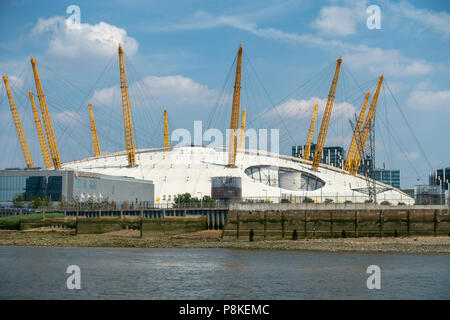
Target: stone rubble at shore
x=212, y=240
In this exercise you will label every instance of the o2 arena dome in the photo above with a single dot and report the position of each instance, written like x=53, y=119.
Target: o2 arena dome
x=263, y=176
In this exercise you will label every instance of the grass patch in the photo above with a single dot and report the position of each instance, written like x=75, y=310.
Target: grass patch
x=16, y=218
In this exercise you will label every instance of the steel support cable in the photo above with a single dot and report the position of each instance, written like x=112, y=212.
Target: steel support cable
x=313, y=88
x=83, y=102
x=222, y=91
x=270, y=99
x=402, y=149
x=139, y=96
x=410, y=129
x=306, y=84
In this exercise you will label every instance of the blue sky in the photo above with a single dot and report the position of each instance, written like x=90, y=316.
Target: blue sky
x=181, y=51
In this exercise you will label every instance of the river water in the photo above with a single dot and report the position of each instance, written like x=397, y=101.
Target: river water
x=123, y=273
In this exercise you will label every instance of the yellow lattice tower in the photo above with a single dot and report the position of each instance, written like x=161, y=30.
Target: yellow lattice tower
x=94, y=132
x=366, y=130
x=166, y=132
x=242, y=134
x=46, y=118
x=353, y=145
x=40, y=132
x=127, y=120
x=326, y=118
x=234, y=124
x=307, y=150
x=19, y=128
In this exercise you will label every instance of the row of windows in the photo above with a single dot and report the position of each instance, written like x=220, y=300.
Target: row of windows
x=81, y=183
x=28, y=187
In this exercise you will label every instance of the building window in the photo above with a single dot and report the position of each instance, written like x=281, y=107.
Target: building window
x=28, y=187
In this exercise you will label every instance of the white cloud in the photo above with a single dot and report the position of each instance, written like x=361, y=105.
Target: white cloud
x=15, y=82
x=375, y=60
x=304, y=108
x=105, y=96
x=414, y=155
x=203, y=20
x=339, y=21
x=429, y=100
x=67, y=117
x=392, y=62
x=437, y=21
x=171, y=91
x=67, y=40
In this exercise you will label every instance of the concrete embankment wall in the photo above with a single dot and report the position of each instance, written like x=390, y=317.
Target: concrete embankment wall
x=278, y=221
x=151, y=228
x=161, y=228
x=26, y=224
x=103, y=225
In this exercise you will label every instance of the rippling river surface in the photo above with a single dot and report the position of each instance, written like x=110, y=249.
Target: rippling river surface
x=116, y=273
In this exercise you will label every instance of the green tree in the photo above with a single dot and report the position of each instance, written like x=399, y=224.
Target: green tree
x=207, y=201
x=36, y=201
x=327, y=200
x=308, y=200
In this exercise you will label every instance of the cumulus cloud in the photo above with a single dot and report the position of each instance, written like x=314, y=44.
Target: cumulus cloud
x=377, y=60
x=304, y=108
x=429, y=100
x=69, y=40
x=173, y=91
x=66, y=117
x=339, y=21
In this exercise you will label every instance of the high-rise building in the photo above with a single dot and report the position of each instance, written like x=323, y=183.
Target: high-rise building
x=390, y=177
x=333, y=156
x=440, y=177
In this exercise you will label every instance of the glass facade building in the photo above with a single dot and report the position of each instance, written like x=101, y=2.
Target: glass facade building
x=28, y=187
x=333, y=156
x=27, y=184
x=440, y=177
x=390, y=177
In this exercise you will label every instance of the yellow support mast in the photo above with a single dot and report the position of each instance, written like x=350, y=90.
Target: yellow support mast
x=19, y=128
x=366, y=130
x=94, y=132
x=353, y=145
x=40, y=132
x=234, y=124
x=46, y=118
x=326, y=118
x=127, y=120
x=242, y=136
x=166, y=133
x=307, y=150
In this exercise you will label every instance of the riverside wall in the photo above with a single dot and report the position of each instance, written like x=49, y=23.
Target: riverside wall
x=266, y=221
